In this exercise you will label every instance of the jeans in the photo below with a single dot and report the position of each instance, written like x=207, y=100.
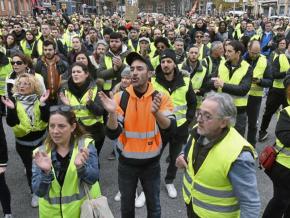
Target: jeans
x=25, y=153
x=276, y=98
x=253, y=108
x=5, y=197
x=241, y=122
x=149, y=176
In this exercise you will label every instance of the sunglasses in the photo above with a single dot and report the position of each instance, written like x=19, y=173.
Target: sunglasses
x=16, y=62
x=198, y=36
x=61, y=108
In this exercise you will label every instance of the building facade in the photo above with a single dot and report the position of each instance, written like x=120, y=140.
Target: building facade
x=15, y=7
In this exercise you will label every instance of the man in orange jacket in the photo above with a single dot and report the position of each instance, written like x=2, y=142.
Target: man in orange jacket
x=136, y=126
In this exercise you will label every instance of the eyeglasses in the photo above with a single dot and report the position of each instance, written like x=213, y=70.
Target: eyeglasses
x=198, y=36
x=16, y=62
x=204, y=116
x=62, y=108
x=23, y=84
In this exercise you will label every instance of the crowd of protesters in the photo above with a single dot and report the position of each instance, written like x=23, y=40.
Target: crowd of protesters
x=59, y=73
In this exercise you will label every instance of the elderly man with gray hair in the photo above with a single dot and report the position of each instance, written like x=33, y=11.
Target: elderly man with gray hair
x=212, y=61
x=219, y=178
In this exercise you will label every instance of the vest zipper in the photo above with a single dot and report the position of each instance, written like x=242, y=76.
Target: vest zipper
x=60, y=203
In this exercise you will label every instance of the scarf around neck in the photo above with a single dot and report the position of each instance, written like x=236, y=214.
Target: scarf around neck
x=28, y=102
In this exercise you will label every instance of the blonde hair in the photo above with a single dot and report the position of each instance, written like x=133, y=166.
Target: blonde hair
x=35, y=84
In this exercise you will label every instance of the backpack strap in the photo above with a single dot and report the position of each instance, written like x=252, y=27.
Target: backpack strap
x=124, y=101
x=125, y=98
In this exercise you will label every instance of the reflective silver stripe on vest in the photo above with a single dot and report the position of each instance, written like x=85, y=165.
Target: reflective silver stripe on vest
x=239, y=97
x=139, y=155
x=186, y=191
x=120, y=118
x=87, y=118
x=179, y=108
x=66, y=199
x=2, y=79
x=180, y=116
x=32, y=143
x=187, y=176
x=213, y=192
x=284, y=151
x=214, y=207
x=79, y=107
x=108, y=81
x=141, y=135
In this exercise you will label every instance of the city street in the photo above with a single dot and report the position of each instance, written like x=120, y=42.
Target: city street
x=171, y=208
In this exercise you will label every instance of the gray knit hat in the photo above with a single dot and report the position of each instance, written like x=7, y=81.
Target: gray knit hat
x=126, y=72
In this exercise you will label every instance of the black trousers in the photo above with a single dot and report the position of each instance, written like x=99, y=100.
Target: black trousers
x=276, y=98
x=176, y=141
x=5, y=196
x=190, y=212
x=279, y=205
x=253, y=108
x=25, y=153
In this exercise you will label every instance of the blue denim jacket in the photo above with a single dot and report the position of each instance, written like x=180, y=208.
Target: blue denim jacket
x=89, y=173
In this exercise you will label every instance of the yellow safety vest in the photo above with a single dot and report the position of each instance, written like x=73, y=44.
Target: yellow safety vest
x=283, y=157
x=25, y=126
x=109, y=64
x=178, y=98
x=155, y=61
x=4, y=72
x=86, y=117
x=284, y=67
x=66, y=201
x=39, y=47
x=196, y=81
x=27, y=49
x=67, y=39
x=238, y=75
x=130, y=45
x=210, y=189
x=258, y=72
x=201, y=50
x=209, y=63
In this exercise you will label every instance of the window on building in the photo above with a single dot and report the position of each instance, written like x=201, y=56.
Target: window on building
x=9, y=5
x=2, y=5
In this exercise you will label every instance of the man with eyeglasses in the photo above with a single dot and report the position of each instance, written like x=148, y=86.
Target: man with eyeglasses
x=219, y=178
x=262, y=78
x=170, y=80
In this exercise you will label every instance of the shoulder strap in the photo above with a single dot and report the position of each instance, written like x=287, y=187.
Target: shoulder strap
x=125, y=98
x=124, y=101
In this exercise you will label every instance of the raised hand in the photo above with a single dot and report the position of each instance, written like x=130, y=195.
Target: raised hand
x=156, y=103
x=43, y=161
x=44, y=97
x=108, y=102
x=81, y=157
x=63, y=98
x=9, y=104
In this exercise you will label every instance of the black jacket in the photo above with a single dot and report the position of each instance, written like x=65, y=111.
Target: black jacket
x=267, y=79
x=239, y=90
x=199, y=67
x=173, y=85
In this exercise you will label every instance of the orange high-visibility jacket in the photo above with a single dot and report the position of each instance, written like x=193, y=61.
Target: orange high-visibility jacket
x=141, y=138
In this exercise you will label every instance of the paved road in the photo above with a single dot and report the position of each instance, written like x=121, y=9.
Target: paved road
x=170, y=208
